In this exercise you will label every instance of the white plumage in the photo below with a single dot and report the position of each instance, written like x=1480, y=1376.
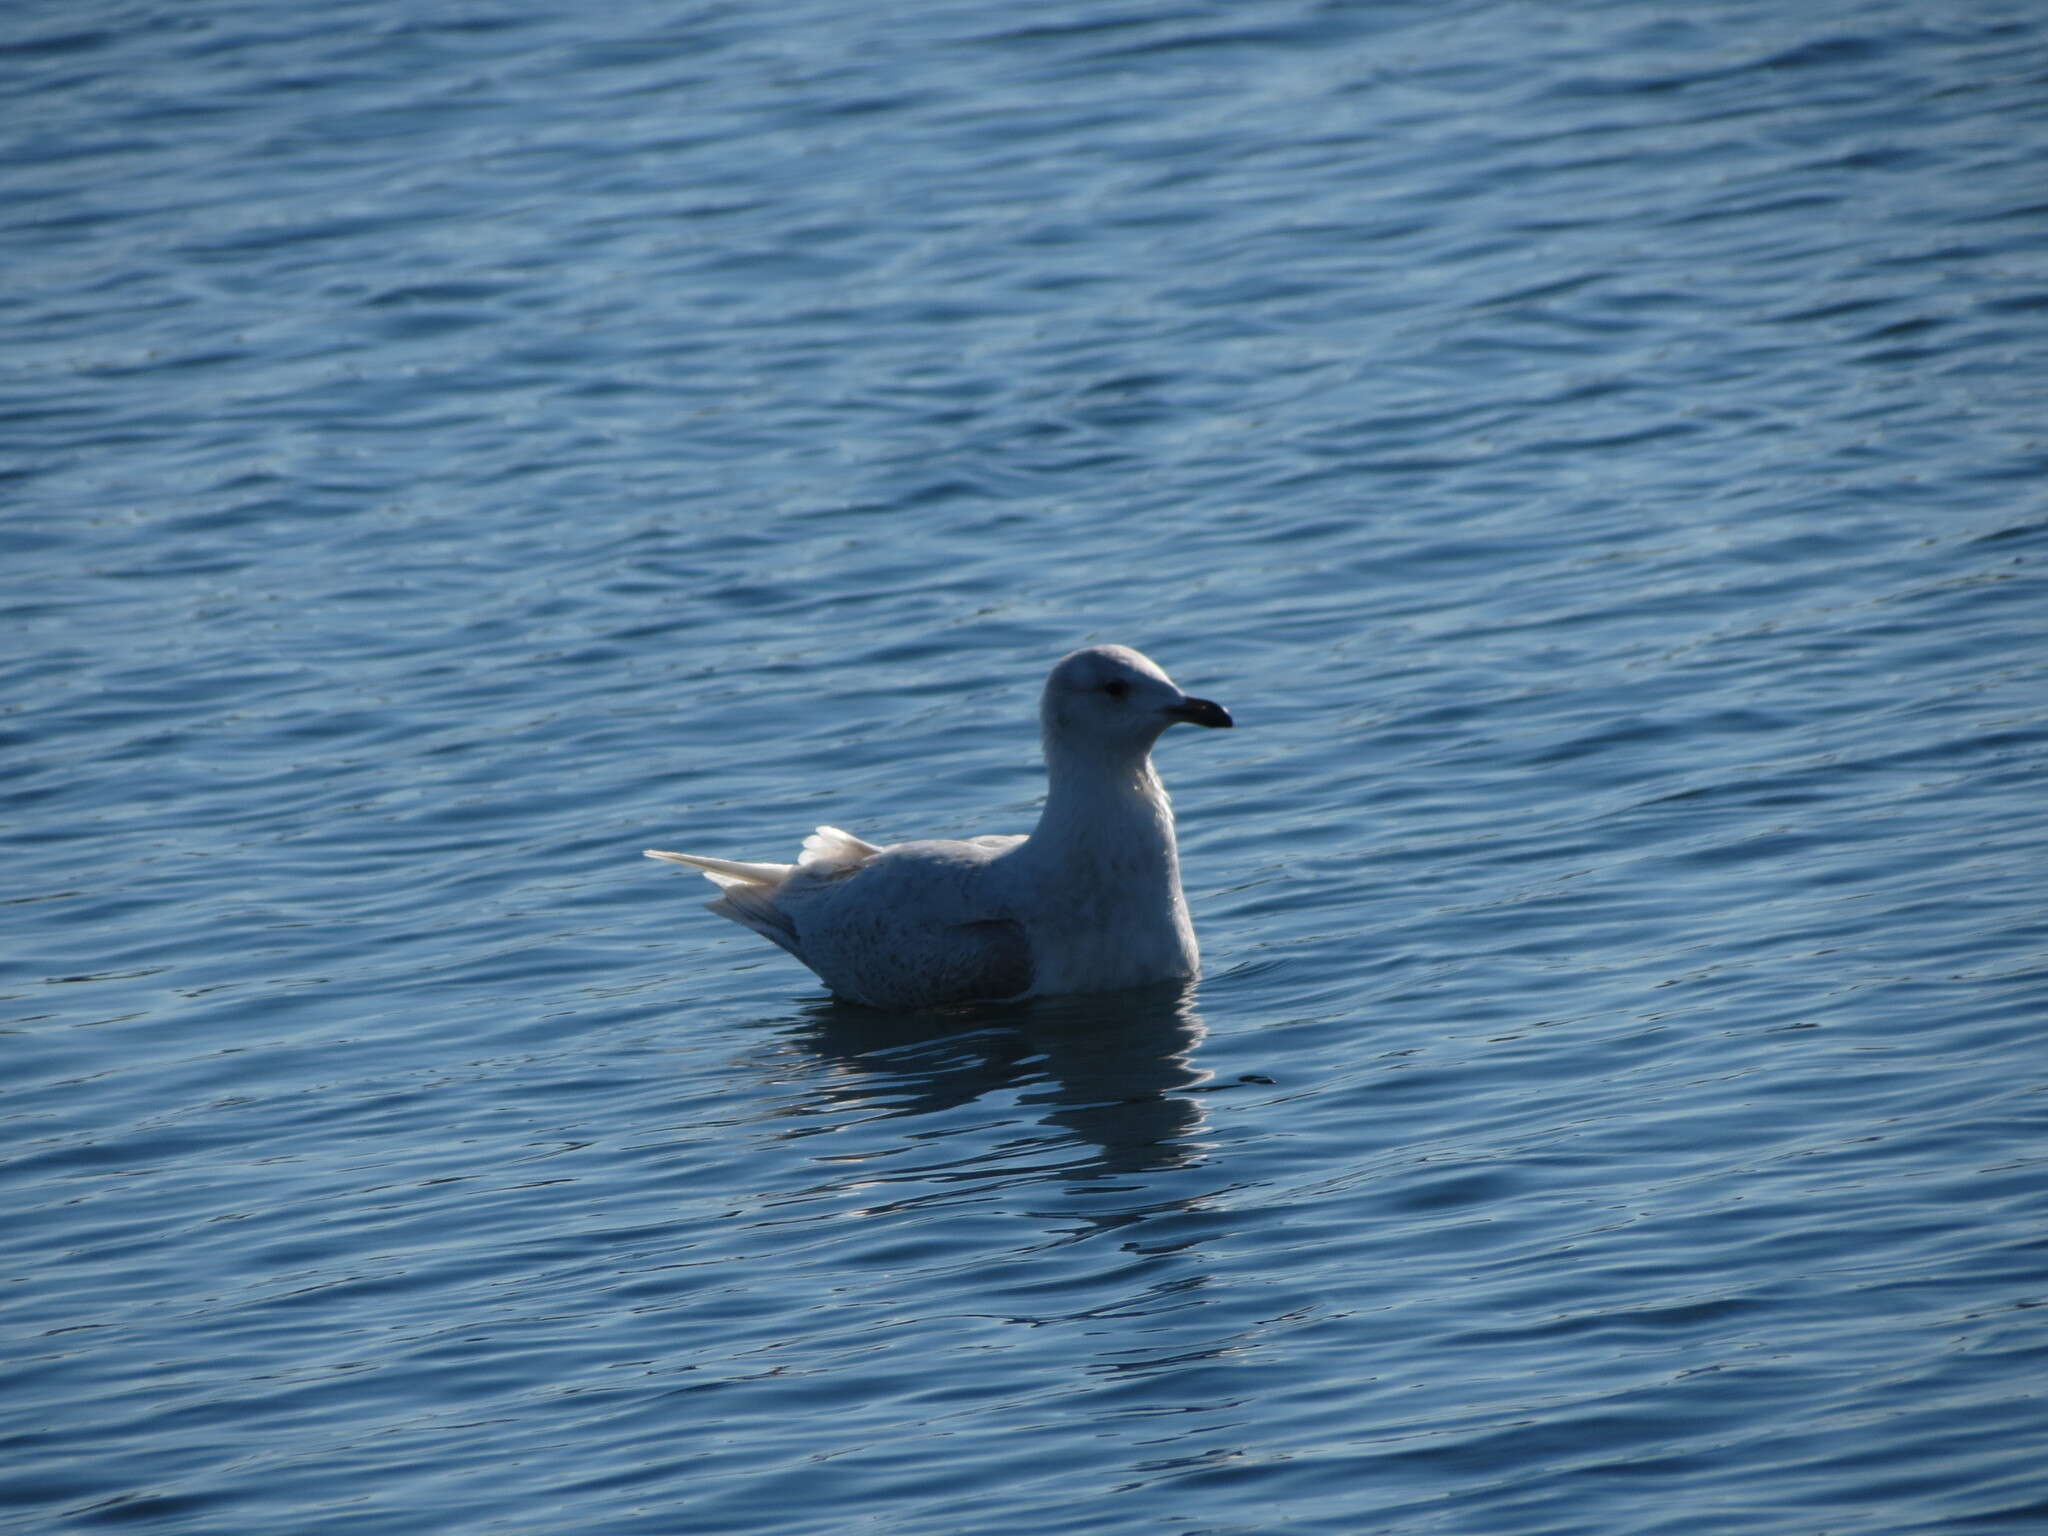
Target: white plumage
x=1089, y=902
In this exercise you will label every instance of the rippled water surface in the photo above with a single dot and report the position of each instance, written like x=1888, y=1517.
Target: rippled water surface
x=1597, y=451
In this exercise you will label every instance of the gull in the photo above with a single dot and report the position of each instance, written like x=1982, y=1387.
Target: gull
x=1090, y=901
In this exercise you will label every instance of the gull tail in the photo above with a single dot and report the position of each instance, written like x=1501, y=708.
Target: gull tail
x=733, y=869
x=749, y=893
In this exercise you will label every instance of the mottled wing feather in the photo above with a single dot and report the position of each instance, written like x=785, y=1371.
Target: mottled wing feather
x=1005, y=961
x=881, y=959
x=913, y=927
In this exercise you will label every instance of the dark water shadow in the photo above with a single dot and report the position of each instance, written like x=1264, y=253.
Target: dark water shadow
x=1115, y=1069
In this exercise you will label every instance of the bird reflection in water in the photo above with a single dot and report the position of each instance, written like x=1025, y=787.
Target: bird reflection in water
x=1115, y=1069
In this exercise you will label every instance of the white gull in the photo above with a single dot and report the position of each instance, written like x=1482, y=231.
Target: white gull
x=1089, y=902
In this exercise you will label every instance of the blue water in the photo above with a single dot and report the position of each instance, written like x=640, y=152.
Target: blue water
x=1600, y=454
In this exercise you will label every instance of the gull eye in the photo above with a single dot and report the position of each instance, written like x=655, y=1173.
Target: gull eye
x=1117, y=689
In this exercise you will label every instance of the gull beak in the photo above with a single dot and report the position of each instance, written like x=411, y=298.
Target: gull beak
x=1201, y=712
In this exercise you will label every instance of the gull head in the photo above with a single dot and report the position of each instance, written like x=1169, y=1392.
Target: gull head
x=1117, y=700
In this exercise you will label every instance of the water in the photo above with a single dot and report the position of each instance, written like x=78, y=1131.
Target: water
x=1598, y=455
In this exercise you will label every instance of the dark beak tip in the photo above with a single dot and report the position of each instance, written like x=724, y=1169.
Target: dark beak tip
x=1205, y=712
